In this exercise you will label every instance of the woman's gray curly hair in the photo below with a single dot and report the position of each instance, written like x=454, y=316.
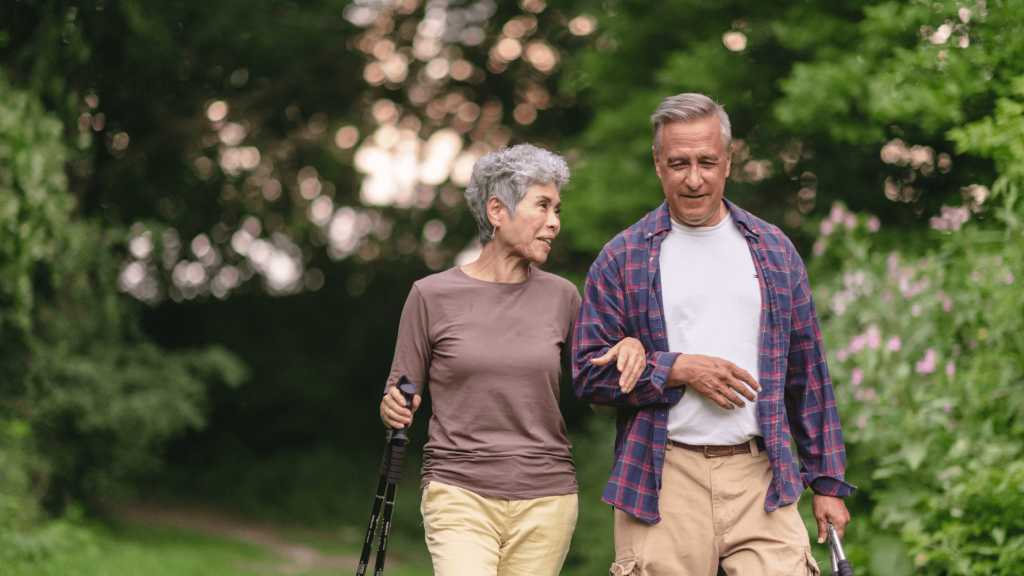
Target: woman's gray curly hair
x=506, y=174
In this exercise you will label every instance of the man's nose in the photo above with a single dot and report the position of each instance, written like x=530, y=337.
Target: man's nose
x=693, y=178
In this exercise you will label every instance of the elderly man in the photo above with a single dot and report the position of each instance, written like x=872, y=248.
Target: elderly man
x=703, y=476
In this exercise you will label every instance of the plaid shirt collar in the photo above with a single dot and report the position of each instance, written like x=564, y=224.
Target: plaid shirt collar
x=661, y=221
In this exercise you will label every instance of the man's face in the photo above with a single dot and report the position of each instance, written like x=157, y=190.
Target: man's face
x=693, y=166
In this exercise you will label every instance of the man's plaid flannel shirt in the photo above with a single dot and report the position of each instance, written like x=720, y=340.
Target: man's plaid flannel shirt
x=622, y=298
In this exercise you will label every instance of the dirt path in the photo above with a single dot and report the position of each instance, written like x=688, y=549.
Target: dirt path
x=294, y=558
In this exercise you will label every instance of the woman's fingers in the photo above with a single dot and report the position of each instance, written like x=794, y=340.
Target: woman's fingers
x=629, y=357
x=393, y=410
x=607, y=357
x=632, y=367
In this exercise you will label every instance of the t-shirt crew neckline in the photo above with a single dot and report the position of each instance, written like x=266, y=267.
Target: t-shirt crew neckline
x=529, y=277
x=701, y=230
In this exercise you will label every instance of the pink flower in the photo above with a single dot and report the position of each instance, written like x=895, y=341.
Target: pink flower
x=826, y=227
x=837, y=212
x=856, y=377
x=819, y=247
x=850, y=221
x=866, y=394
x=874, y=224
x=874, y=337
x=842, y=355
x=947, y=302
x=858, y=343
x=926, y=365
x=894, y=344
x=950, y=369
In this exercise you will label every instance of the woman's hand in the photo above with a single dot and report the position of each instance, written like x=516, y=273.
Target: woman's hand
x=630, y=359
x=393, y=411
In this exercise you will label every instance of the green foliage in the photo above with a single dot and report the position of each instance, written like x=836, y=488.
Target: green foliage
x=34, y=205
x=85, y=400
x=1001, y=138
x=592, y=548
x=928, y=356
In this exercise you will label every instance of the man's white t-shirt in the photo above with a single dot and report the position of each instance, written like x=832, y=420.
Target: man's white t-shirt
x=712, y=303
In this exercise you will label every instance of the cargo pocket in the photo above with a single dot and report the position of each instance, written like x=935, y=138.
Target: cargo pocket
x=626, y=567
x=812, y=564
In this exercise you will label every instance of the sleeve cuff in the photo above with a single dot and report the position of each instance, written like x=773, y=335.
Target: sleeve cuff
x=662, y=363
x=829, y=486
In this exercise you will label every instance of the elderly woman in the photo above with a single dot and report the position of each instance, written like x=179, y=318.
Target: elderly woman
x=487, y=339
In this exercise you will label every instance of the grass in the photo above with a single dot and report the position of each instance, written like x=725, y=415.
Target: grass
x=134, y=550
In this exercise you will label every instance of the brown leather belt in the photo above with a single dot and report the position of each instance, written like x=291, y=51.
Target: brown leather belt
x=710, y=451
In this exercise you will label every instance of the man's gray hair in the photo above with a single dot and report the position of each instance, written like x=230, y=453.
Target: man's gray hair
x=506, y=174
x=687, y=107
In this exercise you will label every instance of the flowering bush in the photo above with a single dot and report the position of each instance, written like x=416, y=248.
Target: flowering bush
x=927, y=352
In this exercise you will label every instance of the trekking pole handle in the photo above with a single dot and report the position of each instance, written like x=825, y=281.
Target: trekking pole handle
x=408, y=390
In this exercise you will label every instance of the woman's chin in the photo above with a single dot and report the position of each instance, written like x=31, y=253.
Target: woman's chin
x=538, y=258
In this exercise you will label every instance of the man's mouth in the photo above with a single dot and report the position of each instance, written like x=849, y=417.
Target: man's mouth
x=547, y=241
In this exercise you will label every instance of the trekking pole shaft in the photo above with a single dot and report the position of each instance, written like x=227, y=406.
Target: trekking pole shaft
x=382, y=549
x=840, y=565
x=378, y=500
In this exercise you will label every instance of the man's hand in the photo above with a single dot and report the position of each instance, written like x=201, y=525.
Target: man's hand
x=630, y=360
x=393, y=411
x=716, y=379
x=830, y=509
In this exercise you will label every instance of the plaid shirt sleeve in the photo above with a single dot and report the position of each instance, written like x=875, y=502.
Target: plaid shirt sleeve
x=602, y=323
x=810, y=401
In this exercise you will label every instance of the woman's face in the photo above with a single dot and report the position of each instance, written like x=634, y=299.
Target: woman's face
x=534, y=227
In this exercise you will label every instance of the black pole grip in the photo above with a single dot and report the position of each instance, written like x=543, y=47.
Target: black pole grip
x=845, y=569
x=408, y=390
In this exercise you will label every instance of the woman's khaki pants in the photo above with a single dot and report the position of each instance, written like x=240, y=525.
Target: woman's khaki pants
x=712, y=511
x=469, y=535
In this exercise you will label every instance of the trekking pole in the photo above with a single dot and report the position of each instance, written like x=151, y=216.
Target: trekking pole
x=384, y=500
x=840, y=565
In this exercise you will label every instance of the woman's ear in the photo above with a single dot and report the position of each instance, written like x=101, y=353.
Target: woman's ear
x=496, y=212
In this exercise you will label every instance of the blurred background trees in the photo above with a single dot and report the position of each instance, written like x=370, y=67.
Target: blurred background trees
x=210, y=214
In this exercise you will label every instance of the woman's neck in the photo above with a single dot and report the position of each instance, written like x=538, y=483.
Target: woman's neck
x=498, y=264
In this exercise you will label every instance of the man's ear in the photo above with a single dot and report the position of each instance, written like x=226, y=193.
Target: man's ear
x=496, y=212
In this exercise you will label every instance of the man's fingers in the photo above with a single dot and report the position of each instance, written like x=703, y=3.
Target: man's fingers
x=722, y=401
x=822, y=529
x=733, y=398
x=840, y=521
x=745, y=376
x=742, y=388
